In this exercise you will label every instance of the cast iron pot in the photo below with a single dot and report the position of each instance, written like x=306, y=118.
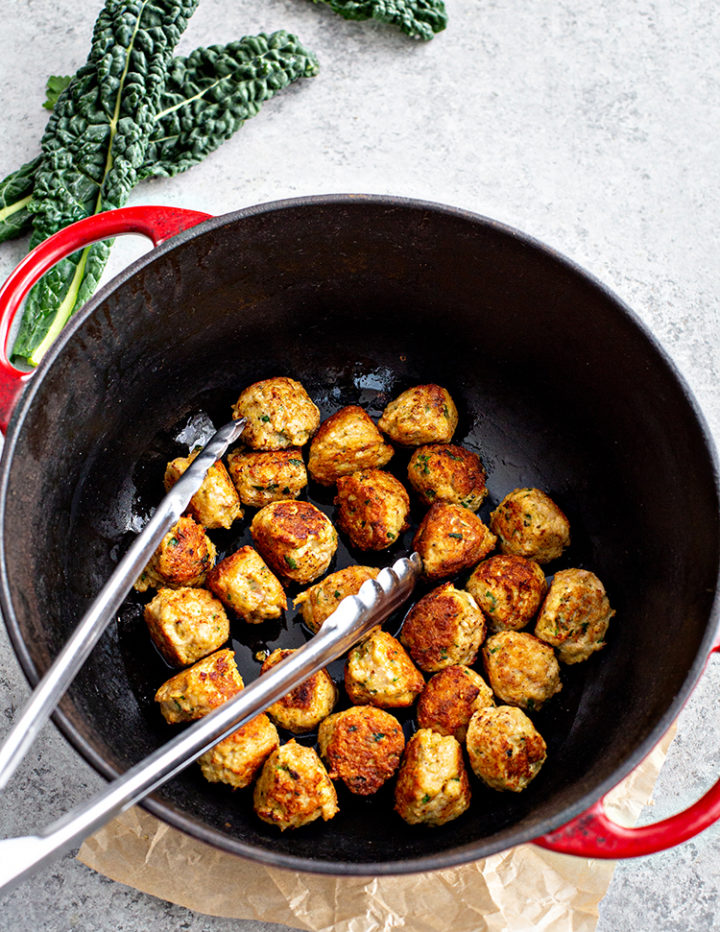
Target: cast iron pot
x=558, y=385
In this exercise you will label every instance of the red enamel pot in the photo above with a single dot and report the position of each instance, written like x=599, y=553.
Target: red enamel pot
x=559, y=386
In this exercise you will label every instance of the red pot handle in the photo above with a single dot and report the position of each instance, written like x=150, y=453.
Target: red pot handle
x=157, y=223
x=593, y=835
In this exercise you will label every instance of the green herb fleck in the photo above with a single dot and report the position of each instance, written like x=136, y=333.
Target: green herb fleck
x=456, y=536
x=291, y=562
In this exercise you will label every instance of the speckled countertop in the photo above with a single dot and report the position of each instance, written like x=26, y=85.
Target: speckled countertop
x=592, y=126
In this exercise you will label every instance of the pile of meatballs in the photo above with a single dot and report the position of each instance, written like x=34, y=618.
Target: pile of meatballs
x=461, y=713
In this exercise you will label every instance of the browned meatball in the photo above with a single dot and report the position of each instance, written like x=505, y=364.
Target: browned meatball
x=422, y=414
x=261, y=478
x=575, y=615
x=186, y=624
x=319, y=601
x=506, y=752
x=529, y=523
x=372, y=508
x=237, y=759
x=508, y=589
x=279, y=414
x=296, y=539
x=183, y=558
x=294, y=788
x=449, y=700
x=216, y=503
x=443, y=628
x=450, y=539
x=199, y=689
x=379, y=672
x=346, y=442
x=304, y=707
x=362, y=747
x=432, y=786
x=244, y=583
x=444, y=472
x=521, y=669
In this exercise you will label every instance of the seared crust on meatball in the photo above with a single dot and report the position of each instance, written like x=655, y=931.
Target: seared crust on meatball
x=294, y=788
x=522, y=670
x=304, y=707
x=199, y=689
x=279, y=414
x=346, y=442
x=296, y=538
x=506, y=751
x=432, y=786
x=319, y=601
x=449, y=700
x=444, y=472
x=186, y=624
x=216, y=503
x=575, y=615
x=244, y=583
x=183, y=558
x=237, y=759
x=362, y=747
x=261, y=478
x=529, y=523
x=509, y=590
x=443, y=628
x=450, y=539
x=378, y=672
x=422, y=414
x=373, y=508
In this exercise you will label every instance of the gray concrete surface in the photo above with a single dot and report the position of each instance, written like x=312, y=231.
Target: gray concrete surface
x=591, y=125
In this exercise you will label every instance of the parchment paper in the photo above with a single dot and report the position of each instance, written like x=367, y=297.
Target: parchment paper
x=515, y=891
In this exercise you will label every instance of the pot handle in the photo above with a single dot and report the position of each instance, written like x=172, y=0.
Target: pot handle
x=593, y=835
x=157, y=223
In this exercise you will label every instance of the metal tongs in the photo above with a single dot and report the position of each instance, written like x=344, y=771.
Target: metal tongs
x=354, y=617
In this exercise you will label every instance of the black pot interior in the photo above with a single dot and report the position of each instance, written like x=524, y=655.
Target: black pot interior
x=359, y=298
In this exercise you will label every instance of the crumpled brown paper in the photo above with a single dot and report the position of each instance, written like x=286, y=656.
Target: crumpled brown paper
x=516, y=890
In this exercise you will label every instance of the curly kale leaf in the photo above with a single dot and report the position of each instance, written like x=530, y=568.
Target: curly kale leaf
x=419, y=19
x=15, y=193
x=212, y=92
x=93, y=149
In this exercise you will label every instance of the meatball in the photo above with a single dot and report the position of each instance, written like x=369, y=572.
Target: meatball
x=186, y=624
x=296, y=538
x=379, y=672
x=449, y=700
x=373, y=508
x=319, y=601
x=521, y=669
x=450, y=539
x=432, y=785
x=261, y=478
x=443, y=628
x=183, y=558
x=362, y=747
x=529, y=524
x=508, y=589
x=237, y=759
x=423, y=414
x=346, y=442
x=294, y=788
x=243, y=582
x=304, y=707
x=279, y=414
x=201, y=688
x=505, y=750
x=443, y=472
x=216, y=503
x=575, y=615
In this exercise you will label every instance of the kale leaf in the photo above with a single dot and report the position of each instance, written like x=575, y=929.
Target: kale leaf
x=419, y=19
x=56, y=84
x=15, y=194
x=93, y=149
